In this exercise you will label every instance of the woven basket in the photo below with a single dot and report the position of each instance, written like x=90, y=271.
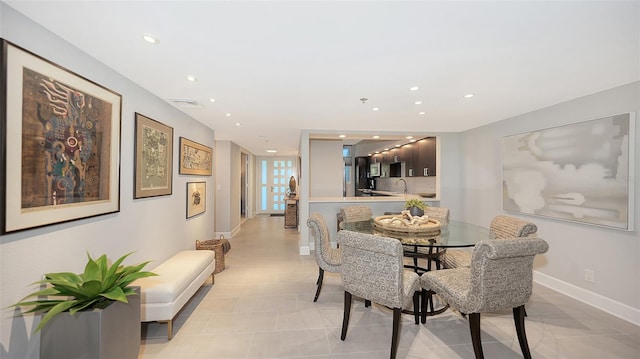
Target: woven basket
x=214, y=245
x=432, y=227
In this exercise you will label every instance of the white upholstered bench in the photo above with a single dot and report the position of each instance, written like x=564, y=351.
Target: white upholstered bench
x=179, y=277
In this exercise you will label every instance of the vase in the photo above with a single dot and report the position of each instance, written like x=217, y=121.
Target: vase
x=415, y=211
x=112, y=332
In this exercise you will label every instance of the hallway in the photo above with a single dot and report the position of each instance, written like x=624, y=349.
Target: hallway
x=261, y=306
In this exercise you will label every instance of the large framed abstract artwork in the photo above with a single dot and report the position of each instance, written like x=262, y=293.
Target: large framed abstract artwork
x=154, y=158
x=60, y=141
x=582, y=172
x=195, y=159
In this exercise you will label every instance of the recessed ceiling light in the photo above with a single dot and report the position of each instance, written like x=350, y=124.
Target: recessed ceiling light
x=375, y=109
x=228, y=115
x=192, y=78
x=272, y=151
x=376, y=136
x=386, y=149
x=377, y=152
x=414, y=88
x=150, y=39
x=469, y=95
x=421, y=113
x=342, y=136
x=368, y=154
x=412, y=140
x=397, y=145
x=418, y=102
x=212, y=100
x=238, y=124
x=409, y=137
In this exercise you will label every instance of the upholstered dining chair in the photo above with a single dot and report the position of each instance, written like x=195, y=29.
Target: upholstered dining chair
x=500, y=277
x=328, y=258
x=372, y=269
x=501, y=227
x=353, y=214
x=431, y=254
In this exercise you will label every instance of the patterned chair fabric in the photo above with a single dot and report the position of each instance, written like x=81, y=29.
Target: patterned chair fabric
x=501, y=227
x=328, y=258
x=353, y=214
x=439, y=213
x=500, y=277
x=373, y=269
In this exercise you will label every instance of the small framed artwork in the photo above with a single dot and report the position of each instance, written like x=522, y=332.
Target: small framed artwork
x=195, y=159
x=154, y=158
x=60, y=141
x=196, y=198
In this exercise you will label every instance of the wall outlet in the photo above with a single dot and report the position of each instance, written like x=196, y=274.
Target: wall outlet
x=589, y=275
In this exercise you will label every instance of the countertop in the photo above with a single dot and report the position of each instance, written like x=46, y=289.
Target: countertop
x=387, y=197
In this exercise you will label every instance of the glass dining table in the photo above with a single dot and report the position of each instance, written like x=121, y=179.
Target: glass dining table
x=430, y=246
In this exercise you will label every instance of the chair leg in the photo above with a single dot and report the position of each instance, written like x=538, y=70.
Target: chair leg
x=319, y=283
x=518, y=317
x=397, y=313
x=347, y=312
x=474, y=325
x=416, y=306
x=423, y=310
x=367, y=303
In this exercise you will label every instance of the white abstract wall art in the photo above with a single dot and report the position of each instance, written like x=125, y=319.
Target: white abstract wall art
x=582, y=172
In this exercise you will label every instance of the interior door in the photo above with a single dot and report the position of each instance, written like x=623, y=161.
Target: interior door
x=274, y=183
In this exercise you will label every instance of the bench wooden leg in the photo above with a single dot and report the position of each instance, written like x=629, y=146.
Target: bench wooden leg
x=213, y=279
x=169, y=328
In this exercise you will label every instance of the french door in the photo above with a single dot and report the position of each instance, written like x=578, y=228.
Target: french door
x=274, y=182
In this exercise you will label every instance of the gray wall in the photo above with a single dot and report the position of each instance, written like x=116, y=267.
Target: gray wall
x=26, y=255
x=614, y=255
x=326, y=166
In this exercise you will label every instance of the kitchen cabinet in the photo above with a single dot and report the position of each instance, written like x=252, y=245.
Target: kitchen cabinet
x=420, y=158
x=426, y=157
x=410, y=159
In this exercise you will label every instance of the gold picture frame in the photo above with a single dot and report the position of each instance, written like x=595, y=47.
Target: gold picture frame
x=154, y=158
x=195, y=158
x=60, y=135
x=196, y=198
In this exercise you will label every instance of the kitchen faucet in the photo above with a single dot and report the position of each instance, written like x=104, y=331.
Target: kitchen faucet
x=405, y=184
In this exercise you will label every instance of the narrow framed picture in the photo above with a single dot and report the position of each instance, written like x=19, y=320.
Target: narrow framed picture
x=154, y=158
x=195, y=158
x=60, y=135
x=196, y=198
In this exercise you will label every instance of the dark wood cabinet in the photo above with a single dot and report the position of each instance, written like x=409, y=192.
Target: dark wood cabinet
x=426, y=157
x=420, y=158
x=410, y=160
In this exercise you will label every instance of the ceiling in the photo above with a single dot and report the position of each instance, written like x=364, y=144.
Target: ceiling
x=282, y=67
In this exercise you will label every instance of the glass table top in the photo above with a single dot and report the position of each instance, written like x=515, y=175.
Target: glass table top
x=452, y=234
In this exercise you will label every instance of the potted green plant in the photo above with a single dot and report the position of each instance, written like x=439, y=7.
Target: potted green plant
x=77, y=310
x=415, y=206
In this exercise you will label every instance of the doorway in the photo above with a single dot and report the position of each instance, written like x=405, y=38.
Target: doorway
x=274, y=183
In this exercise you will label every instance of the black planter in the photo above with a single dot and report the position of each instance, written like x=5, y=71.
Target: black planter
x=415, y=211
x=113, y=332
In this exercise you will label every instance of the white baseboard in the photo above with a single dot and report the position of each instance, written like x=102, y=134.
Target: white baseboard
x=603, y=303
x=226, y=235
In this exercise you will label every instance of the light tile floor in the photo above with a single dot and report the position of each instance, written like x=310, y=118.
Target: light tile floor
x=261, y=306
